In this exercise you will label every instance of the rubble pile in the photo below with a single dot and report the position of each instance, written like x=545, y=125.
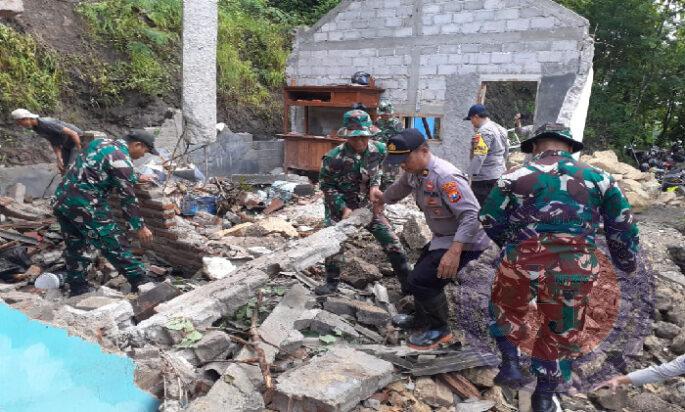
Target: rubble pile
x=641, y=188
x=231, y=322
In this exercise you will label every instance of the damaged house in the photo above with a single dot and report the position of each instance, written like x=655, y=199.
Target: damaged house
x=436, y=58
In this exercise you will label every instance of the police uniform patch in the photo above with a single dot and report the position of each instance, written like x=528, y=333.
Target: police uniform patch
x=425, y=173
x=451, y=189
x=479, y=146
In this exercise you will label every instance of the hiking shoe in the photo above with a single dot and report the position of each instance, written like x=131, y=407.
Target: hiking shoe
x=430, y=339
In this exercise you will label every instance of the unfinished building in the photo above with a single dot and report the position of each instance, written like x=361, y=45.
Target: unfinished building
x=434, y=57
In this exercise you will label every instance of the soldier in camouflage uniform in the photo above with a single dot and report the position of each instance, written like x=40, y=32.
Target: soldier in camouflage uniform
x=389, y=126
x=84, y=215
x=545, y=215
x=349, y=174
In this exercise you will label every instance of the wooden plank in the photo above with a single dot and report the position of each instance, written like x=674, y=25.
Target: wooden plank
x=460, y=385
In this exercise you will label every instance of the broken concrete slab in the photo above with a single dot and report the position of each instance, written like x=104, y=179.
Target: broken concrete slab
x=336, y=381
x=416, y=233
x=365, y=313
x=359, y=273
x=272, y=225
x=17, y=192
x=324, y=322
x=237, y=390
x=214, y=345
x=208, y=303
x=475, y=406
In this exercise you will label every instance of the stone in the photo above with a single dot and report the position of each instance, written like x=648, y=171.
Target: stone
x=666, y=330
x=483, y=377
x=678, y=344
x=638, y=201
x=630, y=185
x=144, y=305
x=259, y=251
x=214, y=345
x=335, y=381
x=416, y=233
x=17, y=192
x=475, y=406
x=365, y=313
x=9, y=8
x=433, y=393
x=216, y=268
x=272, y=225
x=324, y=322
x=94, y=302
x=158, y=270
x=359, y=273
x=666, y=197
x=239, y=230
x=650, y=402
x=676, y=316
x=496, y=394
x=610, y=400
x=293, y=342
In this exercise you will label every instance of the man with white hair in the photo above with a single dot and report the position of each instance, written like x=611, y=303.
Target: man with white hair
x=63, y=137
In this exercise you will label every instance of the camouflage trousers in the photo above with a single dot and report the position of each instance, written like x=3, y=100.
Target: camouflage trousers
x=556, y=277
x=390, y=173
x=103, y=234
x=381, y=229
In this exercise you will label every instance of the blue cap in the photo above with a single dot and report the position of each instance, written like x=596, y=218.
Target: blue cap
x=477, y=110
x=401, y=145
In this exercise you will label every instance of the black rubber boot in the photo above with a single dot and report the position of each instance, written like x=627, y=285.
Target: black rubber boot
x=138, y=281
x=417, y=320
x=543, y=397
x=79, y=287
x=400, y=266
x=437, y=315
x=510, y=373
x=327, y=288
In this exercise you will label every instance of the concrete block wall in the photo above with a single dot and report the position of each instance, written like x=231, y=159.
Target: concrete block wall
x=424, y=51
x=238, y=153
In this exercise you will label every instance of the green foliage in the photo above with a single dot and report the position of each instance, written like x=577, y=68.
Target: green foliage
x=190, y=335
x=253, y=46
x=639, y=89
x=306, y=11
x=30, y=76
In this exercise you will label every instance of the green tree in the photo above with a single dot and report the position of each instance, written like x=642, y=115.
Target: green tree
x=639, y=70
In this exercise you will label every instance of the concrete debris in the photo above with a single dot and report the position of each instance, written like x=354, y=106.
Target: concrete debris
x=258, y=251
x=94, y=302
x=416, y=233
x=434, y=393
x=216, y=268
x=272, y=225
x=324, y=322
x=335, y=381
x=146, y=302
x=365, y=313
x=475, y=406
x=214, y=345
x=359, y=273
x=17, y=192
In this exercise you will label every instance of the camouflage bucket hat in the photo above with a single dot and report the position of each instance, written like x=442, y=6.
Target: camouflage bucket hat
x=357, y=123
x=553, y=130
x=385, y=107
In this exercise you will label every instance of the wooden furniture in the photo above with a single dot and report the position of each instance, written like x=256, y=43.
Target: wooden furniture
x=304, y=151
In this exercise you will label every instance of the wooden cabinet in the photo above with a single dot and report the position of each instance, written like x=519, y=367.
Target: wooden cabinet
x=304, y=151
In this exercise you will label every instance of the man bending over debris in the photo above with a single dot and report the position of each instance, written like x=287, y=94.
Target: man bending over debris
x=84, y=215
x=64, y=138
x=545, y=216
x=442, y=192
x=350, y=173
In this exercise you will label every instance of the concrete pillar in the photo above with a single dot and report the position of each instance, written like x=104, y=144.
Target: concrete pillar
x=200, y=25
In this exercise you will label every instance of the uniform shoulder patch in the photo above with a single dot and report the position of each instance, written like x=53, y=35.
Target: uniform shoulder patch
x=479, y=147
x=451, y=190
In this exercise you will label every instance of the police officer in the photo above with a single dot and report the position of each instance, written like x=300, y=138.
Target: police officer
x=350, y=173
x=83, y=213
x=442, y=192
x=389, y=126
x=489, y=150
x=545, y=216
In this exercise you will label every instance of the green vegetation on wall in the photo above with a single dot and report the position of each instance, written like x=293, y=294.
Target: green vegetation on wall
x=29, y=74
x=254, y=43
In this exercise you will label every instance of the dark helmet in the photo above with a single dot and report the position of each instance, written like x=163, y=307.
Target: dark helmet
x=361, y=78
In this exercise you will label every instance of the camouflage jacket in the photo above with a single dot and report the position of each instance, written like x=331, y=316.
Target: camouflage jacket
x=555, y=195
x=389, y=128
x=346, y=177
x=104, y=166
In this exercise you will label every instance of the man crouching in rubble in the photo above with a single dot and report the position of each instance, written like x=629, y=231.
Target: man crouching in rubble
x=82, y=209
x=350, y=174
x=442, y=192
